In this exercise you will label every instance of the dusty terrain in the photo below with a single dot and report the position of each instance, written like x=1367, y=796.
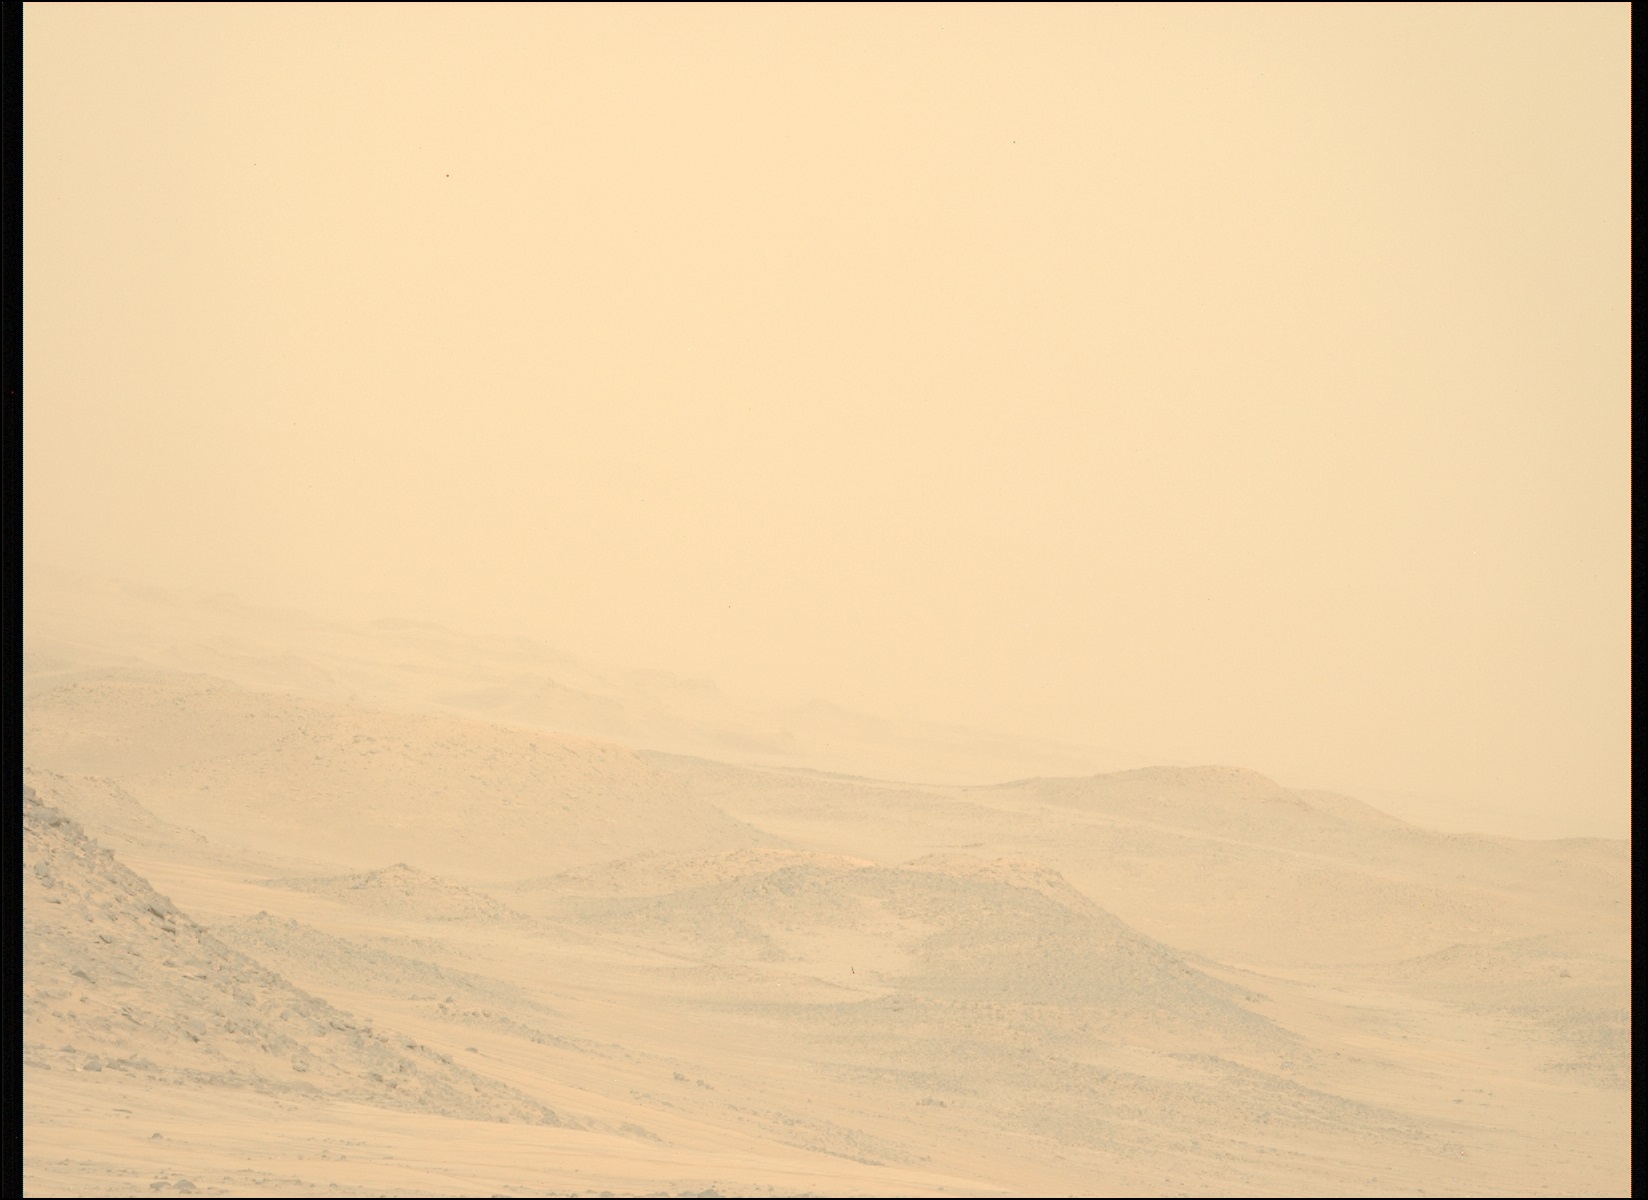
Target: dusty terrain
x=293, y=931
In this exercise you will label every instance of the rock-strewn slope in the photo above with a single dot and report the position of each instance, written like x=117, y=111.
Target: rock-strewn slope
x=117, y=978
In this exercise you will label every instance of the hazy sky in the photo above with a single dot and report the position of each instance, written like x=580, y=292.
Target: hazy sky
x=1217, y=384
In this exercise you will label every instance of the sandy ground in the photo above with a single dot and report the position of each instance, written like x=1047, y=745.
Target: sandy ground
x=281, y=942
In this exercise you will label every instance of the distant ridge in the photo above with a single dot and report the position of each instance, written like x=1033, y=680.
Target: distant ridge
x=404, y=663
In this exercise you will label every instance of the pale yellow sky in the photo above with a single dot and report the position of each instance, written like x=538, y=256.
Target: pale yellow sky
x=1240, y=384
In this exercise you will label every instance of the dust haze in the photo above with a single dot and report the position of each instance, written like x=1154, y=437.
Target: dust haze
x=784, y=600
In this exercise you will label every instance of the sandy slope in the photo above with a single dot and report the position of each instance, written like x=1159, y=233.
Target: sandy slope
x=403, y=891
x=118, y=979
x=361, y=787
x=514, y=962
x=1212, y=860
